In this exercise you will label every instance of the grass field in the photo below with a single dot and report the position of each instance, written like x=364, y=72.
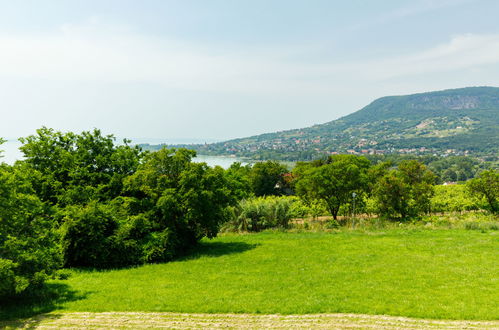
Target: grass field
x=435, y=274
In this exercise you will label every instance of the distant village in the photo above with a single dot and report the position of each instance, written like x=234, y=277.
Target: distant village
x=362, y=147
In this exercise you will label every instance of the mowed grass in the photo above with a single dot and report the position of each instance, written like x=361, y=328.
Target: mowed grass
x=437, y=274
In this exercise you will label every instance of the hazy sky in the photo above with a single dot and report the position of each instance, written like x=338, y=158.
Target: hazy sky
x=213, y=69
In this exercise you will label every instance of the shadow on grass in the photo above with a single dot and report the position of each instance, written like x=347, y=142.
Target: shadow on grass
x=46, y=299
x=216, y=249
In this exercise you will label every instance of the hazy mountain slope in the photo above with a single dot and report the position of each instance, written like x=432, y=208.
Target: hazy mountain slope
x=453, y=121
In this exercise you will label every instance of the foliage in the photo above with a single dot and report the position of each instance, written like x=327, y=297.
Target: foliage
x=88, y=237
x=333, y=182
x=267, y=179
x=302, y=209
x=116, y=206
x=180, y=201
x=259, y=213
x=78, y=168
x=452, y=169
x=453, y=198
x=405, y=191
x=29, y=253
x=238, y=177
x=486, y=186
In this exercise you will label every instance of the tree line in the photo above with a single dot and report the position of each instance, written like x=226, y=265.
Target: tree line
x=82, y=200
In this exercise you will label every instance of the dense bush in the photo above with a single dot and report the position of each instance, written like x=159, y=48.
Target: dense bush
x=302, y=209
x=405, y=192
x=179, y=201
x=167, y=205
x=87, y=236
x=453, y=198
x=29, y=252
x=113, y=207
x=267, y=178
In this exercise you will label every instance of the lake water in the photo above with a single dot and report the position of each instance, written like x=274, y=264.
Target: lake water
x=11, y=153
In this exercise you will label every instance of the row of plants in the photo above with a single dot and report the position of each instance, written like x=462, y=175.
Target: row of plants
x=446, y=207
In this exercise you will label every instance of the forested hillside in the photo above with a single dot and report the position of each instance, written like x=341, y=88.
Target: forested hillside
x=450, y=122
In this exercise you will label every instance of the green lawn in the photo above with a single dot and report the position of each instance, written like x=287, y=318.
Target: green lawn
x=449, y=274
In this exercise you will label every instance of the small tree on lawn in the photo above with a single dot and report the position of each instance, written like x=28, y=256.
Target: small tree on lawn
x=406, y=191
x=332, y=181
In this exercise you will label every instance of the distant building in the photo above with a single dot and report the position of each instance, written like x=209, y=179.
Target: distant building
x=449, y=183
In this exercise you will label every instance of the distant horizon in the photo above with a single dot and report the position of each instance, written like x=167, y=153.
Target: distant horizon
x=201, y=140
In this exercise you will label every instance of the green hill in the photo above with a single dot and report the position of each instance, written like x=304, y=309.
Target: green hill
x=458, y=121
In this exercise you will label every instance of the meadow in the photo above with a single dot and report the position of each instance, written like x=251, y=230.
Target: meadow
x=414, y=272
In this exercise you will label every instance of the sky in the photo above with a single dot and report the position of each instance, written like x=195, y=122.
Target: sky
x=207, y=70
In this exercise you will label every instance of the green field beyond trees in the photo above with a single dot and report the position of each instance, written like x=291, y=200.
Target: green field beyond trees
x=440, y=274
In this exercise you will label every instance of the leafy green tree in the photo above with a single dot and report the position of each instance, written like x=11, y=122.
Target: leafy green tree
x=486, y=185
x=266, y=178
x=334, y=181
x=453, y=198
x=238, y=177
x=454, y=168
x=78, y=168
x=29, y=252
x=405, y=191
x=376, y=172
x=178, y=200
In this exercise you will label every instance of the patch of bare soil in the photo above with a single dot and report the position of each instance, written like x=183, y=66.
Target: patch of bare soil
x=128, y=320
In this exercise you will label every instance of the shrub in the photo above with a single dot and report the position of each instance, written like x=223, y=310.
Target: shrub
x=87, y=236
x=301, y=209
x=453, y=198
x=29, y=252
x=267, y=178
x=405, y=192
x=178, y=201
x=261, y=213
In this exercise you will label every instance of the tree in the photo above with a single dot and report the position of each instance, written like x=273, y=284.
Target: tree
x=334, y=181
x=78, y=168
x=78, y=177
x=266, y=178
x=405, y=191
x=178, y=201
x=238, y=177
x=29, y=252
x=486, y=185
